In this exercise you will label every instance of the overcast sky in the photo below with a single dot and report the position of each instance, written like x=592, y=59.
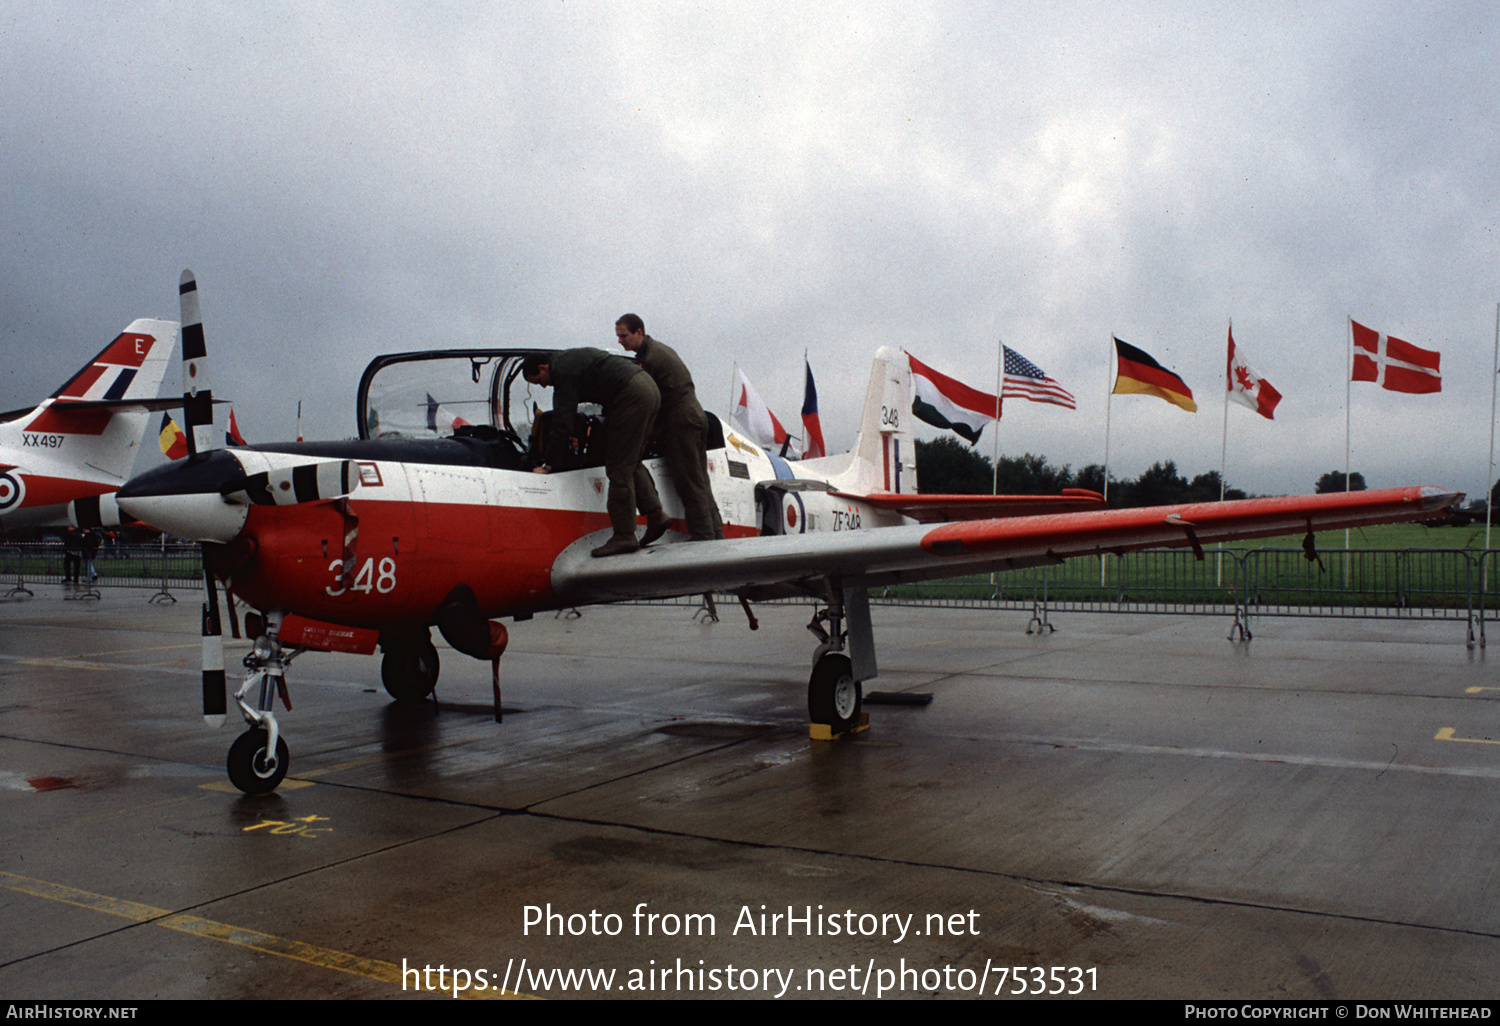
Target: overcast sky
x=760, y=180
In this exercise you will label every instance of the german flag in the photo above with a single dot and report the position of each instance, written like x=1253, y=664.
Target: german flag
x=1139, y=374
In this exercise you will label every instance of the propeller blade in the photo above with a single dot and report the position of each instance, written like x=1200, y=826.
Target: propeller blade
x=288, y=486
x=215, y=690
x=197, y=396
x=94, y=511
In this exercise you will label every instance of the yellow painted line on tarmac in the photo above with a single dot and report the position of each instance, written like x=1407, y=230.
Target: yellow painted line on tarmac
x=225, y=787
x=326, y=958
x=1446, y=734
x=1477, y=690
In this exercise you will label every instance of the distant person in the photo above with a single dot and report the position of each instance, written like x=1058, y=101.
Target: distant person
x=72, y=555
x=91, y=541
x=682, y=427
x=631, y=401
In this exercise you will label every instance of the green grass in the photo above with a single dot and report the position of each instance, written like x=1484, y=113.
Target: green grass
x=1385, y=567
x=1390, y=536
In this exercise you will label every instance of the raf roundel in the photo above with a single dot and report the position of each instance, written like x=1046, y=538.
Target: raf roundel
x=12, y=491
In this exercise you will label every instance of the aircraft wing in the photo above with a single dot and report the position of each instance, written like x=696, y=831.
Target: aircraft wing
x=935, y=509
x=919, y=552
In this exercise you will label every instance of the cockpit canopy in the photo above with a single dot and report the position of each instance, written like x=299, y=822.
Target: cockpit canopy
x=436, y=393
x=474, y=396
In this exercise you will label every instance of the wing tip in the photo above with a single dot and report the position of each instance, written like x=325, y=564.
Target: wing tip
x=1434, y=499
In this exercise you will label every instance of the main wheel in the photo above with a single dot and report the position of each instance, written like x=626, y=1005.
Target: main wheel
x=410, y=672
x=251, y=768
x=834, y=697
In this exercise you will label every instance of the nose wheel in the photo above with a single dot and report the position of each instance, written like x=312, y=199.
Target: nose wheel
x=258, y=760
x=253, y=767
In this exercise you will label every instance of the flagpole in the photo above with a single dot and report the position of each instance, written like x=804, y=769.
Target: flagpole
x=1489, y=477
x=1348, y=402
x=734, y=371
x=995, y=460
x=1224, y=447
x=1224, y=442
x=1109, y=405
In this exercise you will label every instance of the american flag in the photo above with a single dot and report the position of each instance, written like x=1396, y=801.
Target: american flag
x=1025, y=380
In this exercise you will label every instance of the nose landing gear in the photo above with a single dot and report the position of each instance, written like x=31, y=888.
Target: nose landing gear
x=258, y=760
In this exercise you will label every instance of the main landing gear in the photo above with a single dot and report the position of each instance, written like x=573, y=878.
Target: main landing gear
x=835, y=695
x=409, y=669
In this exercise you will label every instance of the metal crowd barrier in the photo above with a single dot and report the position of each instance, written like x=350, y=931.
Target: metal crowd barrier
x=166, y=569
x=1407, y=584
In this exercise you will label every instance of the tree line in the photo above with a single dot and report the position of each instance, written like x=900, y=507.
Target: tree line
x=947, y=466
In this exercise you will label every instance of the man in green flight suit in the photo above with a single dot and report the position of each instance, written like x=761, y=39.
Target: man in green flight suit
x=631, y=401
x=681, y=427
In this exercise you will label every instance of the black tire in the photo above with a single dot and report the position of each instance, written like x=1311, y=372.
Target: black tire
x=410, y=672
x=834, y=697
x=247, y=764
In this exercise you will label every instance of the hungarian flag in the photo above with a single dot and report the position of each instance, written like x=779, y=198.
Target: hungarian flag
x=946, y=403
x=1392, y=364
x=171, y=439
x=1247, y=387
x=755, y=418
x=1139, y=374
x=812, y=428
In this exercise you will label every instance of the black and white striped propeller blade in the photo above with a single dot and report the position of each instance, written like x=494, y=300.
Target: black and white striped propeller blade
x=215, y=689
x=288, y=486
x=197, y=396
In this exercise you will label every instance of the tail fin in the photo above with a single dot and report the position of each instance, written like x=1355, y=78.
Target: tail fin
x=95, y=416
x=130, y=367
x=81, y=441
x=885, y=453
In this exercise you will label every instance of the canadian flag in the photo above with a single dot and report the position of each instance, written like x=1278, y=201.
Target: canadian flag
x=1247, y=387
x=1394, y=365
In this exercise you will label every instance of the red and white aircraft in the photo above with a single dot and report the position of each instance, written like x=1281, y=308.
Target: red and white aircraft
x=433, y=518
x=61, y=462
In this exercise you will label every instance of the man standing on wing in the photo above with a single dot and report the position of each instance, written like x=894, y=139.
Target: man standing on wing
x=631, y=401
x=681, y=428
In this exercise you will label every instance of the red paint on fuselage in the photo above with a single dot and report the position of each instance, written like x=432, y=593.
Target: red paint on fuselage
x=407, y=558
x=59, y=491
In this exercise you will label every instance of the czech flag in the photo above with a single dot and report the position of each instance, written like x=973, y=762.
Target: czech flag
x=812, y=429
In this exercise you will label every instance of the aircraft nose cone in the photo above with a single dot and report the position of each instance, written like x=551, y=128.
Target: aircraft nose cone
x=183, y=498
